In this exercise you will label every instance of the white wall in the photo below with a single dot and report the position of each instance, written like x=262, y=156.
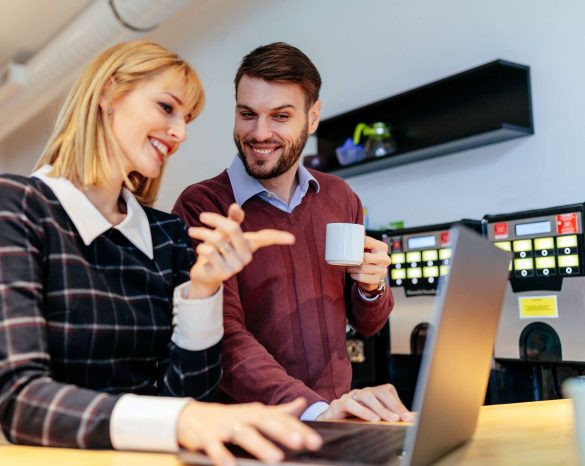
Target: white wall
x=20, y=151
x=373, y=49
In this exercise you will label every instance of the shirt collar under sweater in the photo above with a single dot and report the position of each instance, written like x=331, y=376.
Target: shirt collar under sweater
x=90, y=223
x=246, y=186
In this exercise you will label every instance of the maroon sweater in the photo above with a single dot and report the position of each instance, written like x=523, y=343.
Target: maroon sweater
x=285, y=313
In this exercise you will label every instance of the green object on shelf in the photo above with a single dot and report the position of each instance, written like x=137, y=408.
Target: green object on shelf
x=379, y=141
x=396, y=225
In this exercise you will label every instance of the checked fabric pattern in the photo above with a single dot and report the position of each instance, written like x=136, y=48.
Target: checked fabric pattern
x=82, y=325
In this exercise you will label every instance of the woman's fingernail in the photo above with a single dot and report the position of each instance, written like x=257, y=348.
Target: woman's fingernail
x=275, y=457
x=314, y=441
x=296, y=439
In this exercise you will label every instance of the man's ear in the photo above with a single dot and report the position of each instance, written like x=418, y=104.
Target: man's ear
x=314, y=116
x=106, y=96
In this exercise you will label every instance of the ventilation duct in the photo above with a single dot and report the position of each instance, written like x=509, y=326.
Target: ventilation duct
x=26, y=89
x=12, y=78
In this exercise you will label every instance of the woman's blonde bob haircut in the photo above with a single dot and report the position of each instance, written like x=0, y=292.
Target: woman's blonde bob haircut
x=78, y=147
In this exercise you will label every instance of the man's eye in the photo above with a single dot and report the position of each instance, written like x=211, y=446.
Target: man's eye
x=246, y=114
x=282, y=116
x=166, y=107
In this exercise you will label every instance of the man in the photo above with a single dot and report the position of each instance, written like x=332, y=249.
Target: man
x=285, y=314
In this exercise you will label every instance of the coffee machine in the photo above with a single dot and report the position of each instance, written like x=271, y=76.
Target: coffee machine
x=420, y=256
x=539, y=341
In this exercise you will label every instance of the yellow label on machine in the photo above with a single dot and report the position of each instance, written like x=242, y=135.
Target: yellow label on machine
x=538, y=306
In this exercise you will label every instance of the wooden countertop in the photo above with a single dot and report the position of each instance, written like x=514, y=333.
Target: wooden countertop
x=537, y=433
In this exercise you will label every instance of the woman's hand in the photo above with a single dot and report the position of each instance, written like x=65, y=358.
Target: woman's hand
x=207, y=426
x=225, y=249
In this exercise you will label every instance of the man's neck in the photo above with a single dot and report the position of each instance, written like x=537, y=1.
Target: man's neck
x=284, y=185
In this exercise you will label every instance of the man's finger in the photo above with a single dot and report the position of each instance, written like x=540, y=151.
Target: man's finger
x=359, y=410
x=263, y=238
x=374, y=244
x=365, y=278
x=379, y=258
x=369, y=269
x=391, y=400
x=369, y=399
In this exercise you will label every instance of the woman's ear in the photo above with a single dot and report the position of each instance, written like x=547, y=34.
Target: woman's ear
x=106, y=96
x=314, y=116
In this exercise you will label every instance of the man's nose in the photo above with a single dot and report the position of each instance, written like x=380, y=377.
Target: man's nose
x=262, y=130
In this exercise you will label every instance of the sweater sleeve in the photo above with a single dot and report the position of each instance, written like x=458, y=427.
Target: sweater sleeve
x=367, y=317
x=250, y=371
x=34, y=408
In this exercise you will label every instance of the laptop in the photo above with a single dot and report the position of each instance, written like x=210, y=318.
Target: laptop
x=452, y=380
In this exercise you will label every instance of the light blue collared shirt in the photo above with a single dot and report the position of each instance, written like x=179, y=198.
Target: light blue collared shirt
x=246, y=187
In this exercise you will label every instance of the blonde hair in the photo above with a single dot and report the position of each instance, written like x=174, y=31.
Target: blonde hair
x=78, y=146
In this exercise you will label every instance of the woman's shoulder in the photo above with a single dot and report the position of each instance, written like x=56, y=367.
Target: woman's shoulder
x=23, y=188
x=16, y=182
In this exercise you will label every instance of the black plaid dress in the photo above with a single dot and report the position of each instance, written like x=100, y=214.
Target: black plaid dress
x=82, y=325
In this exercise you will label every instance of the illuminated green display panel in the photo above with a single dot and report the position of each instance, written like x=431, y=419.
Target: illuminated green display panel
x=539, y=250
x=567, y=241
x=544, y=243
x=419, y=259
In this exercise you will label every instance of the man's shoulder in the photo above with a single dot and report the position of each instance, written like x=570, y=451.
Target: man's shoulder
x=330, y=182
x=213, y=194
x=219, y=184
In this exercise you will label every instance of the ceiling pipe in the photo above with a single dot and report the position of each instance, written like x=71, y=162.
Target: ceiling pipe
x=52, y=70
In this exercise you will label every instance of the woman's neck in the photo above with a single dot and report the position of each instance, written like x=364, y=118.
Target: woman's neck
x=107, y=199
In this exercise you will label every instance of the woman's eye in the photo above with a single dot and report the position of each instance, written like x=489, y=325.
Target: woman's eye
x=166, y=107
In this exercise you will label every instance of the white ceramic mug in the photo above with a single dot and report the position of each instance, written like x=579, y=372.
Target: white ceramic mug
x=344, y=244
x=575, y=389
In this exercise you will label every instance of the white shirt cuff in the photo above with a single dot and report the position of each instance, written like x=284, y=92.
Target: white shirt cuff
x=146, y=422
x=198, y=322
x=314, y=411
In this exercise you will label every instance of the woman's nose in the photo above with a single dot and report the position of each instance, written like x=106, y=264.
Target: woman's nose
x=178, y=129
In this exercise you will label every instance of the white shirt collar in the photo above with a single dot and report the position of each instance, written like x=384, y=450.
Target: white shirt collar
x=90, y=223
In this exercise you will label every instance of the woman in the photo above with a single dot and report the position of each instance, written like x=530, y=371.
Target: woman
x=89, y=340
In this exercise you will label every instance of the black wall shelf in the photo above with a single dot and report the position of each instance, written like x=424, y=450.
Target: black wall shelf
x=480, y=106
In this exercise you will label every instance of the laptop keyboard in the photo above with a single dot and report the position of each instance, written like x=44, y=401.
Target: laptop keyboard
x=343, y=443
x=362, y=444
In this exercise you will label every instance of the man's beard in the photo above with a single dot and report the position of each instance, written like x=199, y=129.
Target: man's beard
x=286, y=160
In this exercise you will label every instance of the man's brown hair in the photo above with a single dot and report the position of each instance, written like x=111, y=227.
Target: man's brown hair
x=281, y=62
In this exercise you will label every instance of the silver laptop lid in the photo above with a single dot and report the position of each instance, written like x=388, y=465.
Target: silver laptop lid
x=456, y=362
